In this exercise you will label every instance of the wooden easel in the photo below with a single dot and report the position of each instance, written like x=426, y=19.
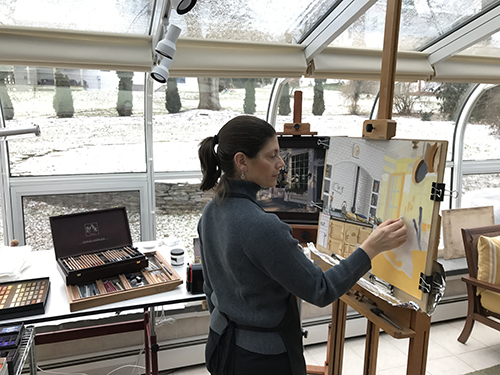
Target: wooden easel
x=302, y=232
x=410, y=323
x=297, y=127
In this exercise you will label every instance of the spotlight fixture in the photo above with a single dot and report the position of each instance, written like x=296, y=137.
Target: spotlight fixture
x=166, y=46
x=183, y=6
x=160, y=72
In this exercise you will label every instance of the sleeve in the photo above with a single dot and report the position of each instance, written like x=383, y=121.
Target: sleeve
x=279, y=255
x=207, y=287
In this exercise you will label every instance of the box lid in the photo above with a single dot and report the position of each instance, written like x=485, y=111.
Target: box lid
x=89, y=232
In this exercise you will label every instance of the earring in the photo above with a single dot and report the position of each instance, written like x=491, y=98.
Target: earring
x=242, y=176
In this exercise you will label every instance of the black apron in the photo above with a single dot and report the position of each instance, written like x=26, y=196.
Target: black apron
x=218, y=351
x=219, y=348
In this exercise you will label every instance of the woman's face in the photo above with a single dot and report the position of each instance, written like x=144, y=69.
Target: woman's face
x=264, y=168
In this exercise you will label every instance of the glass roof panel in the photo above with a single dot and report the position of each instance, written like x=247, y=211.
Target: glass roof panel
x=487, y=47
x=131, y=16
x=421, y=22
x=283, y=21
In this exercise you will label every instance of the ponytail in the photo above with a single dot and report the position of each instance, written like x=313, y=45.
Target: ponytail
x=209, y=163
x=247, y=134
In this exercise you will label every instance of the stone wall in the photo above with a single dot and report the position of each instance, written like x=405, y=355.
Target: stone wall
x=180, y=196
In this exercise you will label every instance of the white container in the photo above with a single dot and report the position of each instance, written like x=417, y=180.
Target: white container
x=176, y=257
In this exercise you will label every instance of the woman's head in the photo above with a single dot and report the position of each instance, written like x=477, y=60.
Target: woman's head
x=239, y=141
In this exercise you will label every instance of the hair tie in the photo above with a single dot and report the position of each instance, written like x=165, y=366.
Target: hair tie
x=216, y=139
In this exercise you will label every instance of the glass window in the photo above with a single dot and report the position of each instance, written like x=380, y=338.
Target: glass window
x=1, y=222
x=189, y=110
x=421, y=21
x=185, y=112
x=90, y=121
x=90, y=15
x=251, y=21
x=482, y=134
x=482, y=190
x=489, y=46
x=38, y=209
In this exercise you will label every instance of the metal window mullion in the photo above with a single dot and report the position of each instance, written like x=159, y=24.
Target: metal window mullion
x=465, y=36
x=332, y=26
x=148, y=213
x=461, y=125
x=76, y=184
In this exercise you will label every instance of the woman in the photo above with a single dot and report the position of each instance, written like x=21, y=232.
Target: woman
x=252, y=266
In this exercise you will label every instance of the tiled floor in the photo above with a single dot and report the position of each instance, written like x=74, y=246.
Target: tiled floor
x=446, y=356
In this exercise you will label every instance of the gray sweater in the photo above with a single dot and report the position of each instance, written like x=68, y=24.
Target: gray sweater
x=251, y=264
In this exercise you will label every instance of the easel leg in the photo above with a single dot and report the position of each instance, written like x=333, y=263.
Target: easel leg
x=371, y=349
x=335, y=355
x=335, y=345
x=417, y=351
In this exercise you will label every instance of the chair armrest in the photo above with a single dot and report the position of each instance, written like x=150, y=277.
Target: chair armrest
x=481, y=284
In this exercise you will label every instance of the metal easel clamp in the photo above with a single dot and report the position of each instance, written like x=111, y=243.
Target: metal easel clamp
x=438, y=192
x=425, y=283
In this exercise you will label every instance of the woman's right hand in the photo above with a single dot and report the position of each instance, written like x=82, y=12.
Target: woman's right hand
x=388, y=235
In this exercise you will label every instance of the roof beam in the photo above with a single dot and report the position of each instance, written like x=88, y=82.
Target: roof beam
x=465, y=36
x=333, y=25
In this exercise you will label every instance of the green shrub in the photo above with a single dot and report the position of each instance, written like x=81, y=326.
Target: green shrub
x=63, y=100
x=450, y=96
x=8, y=108
x=318, y=99
x=249, y=103
x=124, y=103
x=284, y=104
x=172, y=98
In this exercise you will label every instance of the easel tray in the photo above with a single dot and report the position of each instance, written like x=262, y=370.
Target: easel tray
x=157, y=277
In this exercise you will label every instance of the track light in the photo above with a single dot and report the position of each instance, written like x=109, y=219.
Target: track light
x=160, y=72
x=166, y=46
x=183, y=6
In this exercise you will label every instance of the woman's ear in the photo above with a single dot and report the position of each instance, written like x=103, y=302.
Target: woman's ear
x=240, y=159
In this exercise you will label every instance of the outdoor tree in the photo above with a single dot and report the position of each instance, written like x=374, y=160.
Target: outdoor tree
x=404, y=98
x=249, y=103
x=450, y=97
x=486, y=110
x=284, y=103
x=172, y=98
x=318, y=99
x=205, y=20
x=8, y=108
x=63, y=99
x=352, y=93
x=209, y=93
x=125, y=97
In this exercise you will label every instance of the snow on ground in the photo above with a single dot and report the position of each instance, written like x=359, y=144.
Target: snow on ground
x=95, y=140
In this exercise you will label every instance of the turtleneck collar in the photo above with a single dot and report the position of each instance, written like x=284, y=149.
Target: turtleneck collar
x=244, y=187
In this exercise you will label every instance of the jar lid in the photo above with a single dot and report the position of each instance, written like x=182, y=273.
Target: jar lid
x=177, y=252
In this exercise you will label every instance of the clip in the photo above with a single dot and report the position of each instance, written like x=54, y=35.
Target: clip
x=374, y=279
x=318, y=204
x=425, y=283
x=438, y=192
x=324, y=142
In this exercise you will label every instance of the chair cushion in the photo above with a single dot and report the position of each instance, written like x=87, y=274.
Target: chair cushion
x=488, y=258
x=490, y=301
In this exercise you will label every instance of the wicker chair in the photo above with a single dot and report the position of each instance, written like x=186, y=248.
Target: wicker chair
x=475, y=311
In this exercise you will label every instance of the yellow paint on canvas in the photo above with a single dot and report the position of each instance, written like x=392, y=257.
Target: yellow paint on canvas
x=380, y=265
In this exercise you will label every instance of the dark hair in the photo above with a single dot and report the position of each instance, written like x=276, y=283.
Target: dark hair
x=247, y=134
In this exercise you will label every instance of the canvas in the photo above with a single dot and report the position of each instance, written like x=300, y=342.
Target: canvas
x=369, y=181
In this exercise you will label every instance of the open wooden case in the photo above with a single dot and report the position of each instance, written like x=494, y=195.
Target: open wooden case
x=94, y=244
x=157, y=277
